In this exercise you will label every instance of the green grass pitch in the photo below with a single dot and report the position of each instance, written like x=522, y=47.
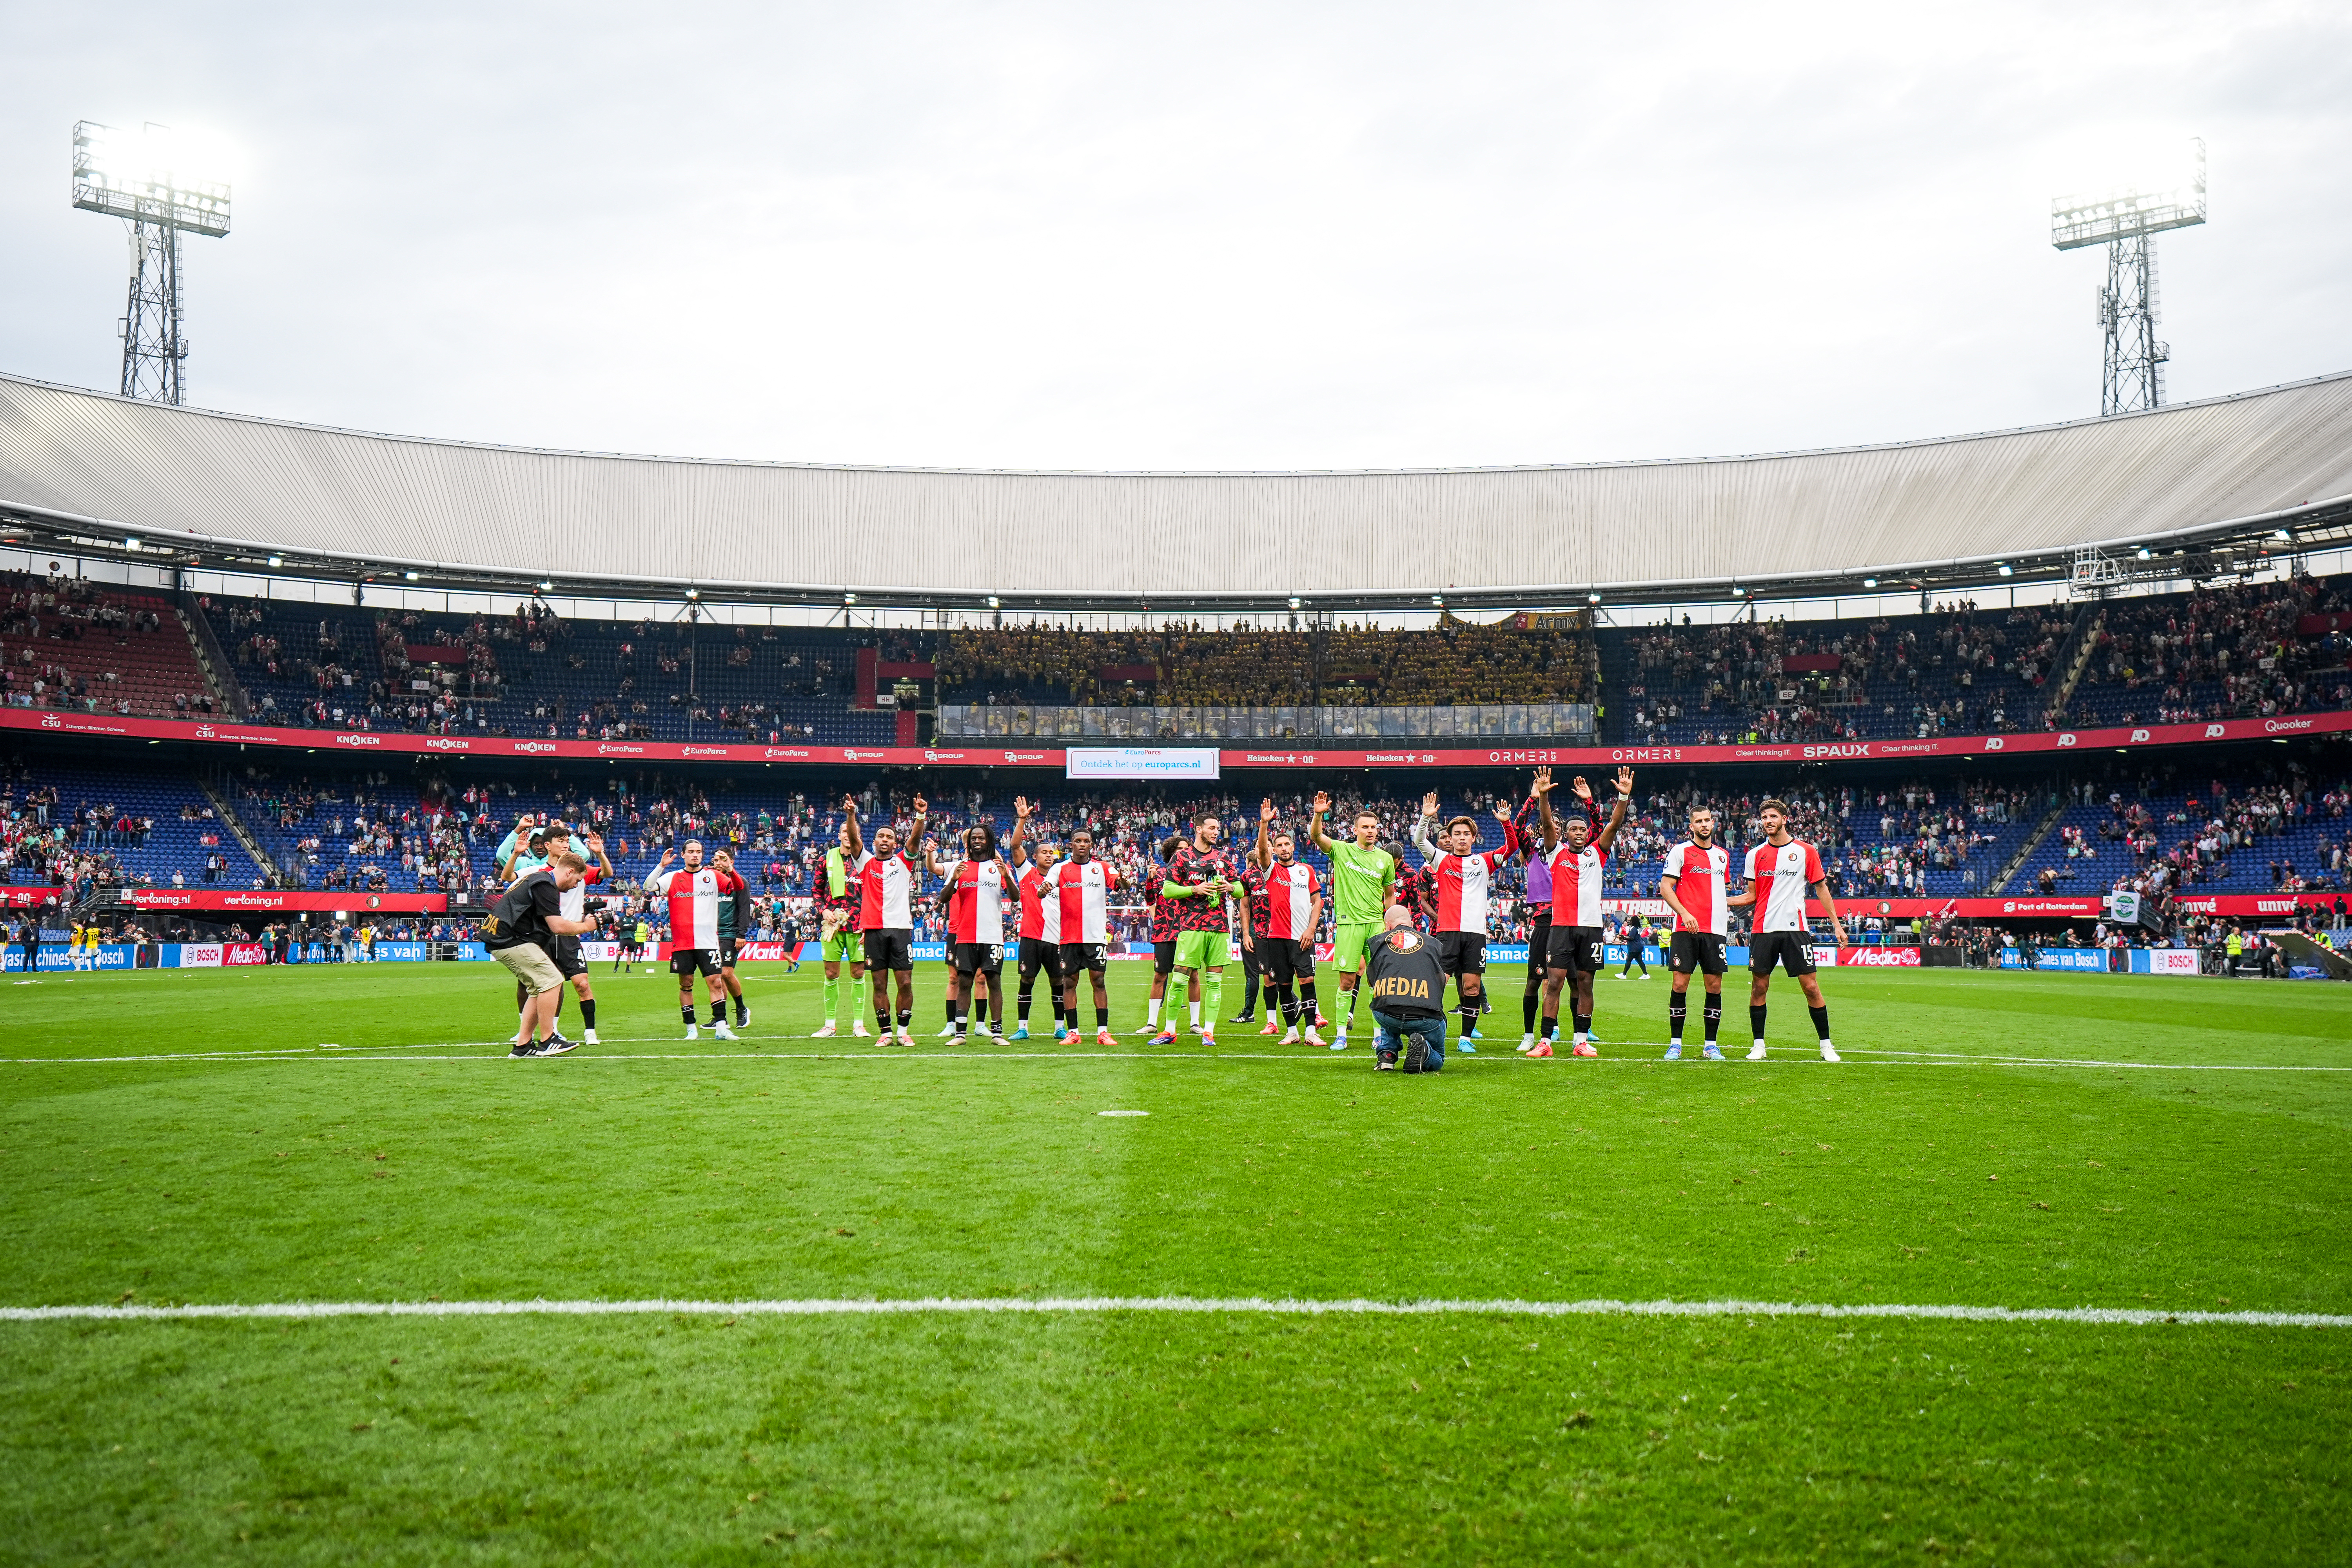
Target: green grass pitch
x=332, y=1135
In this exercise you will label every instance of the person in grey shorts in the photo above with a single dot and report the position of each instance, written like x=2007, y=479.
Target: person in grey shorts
x=520, y=933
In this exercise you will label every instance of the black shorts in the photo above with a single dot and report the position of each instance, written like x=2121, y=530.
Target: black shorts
x=1793, y=950
x=686, y=961
x=567, y=958
x=1286, y=959
x=1038, y=954
x=1163, y=956
x=987, y=957
x=1075, y=956
x=1538, y=946
x=1462, y=952
x=1697, y=953
x=892, y=950
x=1577, y=949
x=727, y=951
x=1254, y=956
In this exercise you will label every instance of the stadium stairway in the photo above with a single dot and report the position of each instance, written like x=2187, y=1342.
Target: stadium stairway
x=237, y=829
x=2024, y=855
x=212, y=659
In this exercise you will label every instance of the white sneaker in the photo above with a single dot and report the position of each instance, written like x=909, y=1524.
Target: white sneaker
x=693, y=1031
x=1290, y=1036
x=1829, y=1052
x=906, y=1035
x=721, y=1030
x=1527, y=1044
x=1145, y=1029
x=828, y=1031
x=1313, y=1038
x=861, y=1031
x=946, y=1031
x=1756, y=1054
x=589, y=1039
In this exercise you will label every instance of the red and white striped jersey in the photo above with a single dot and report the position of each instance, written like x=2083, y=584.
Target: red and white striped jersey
x=887, y=892
x=975, y=899
x=1782, y=876
x=1081, y=901
x=693, y=898
x=1464, y=882
x=1290, y=902
x=575, y=902
x=1032, y=882
x=1576, y=884
x=1698, y=877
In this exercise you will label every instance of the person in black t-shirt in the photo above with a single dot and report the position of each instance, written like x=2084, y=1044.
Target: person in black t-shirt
x=521, y=935
x=1406, y=982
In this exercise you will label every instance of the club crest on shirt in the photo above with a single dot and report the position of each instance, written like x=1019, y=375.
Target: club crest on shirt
x=1405, y=939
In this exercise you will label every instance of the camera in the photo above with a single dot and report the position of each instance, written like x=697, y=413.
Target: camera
x=593, y=906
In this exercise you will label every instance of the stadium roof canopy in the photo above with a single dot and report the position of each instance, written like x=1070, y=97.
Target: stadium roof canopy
x=82, y=470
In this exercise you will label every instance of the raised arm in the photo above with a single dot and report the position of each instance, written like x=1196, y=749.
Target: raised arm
x=1259, y=854
x=1616, y=812
x=1542, y=789
x=1422, y=838
x=1016, y=849
x=655, y=877
x=1315, y=833
x=922, y=820
x=857, y=834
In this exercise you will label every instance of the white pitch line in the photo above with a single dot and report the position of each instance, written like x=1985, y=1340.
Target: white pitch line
x=1285, y=1307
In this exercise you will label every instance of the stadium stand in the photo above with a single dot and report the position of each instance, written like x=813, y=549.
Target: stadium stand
x=69, y=643
x=531, y=672
x=1522, y=659
x=2227, y=652
x=81, y=828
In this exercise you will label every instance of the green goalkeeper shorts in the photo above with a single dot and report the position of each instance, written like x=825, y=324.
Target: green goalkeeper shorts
x=1198, y=950
x=844, y=946
x=1348, y=942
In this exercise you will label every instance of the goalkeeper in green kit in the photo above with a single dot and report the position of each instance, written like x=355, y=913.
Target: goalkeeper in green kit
x=1363, y=885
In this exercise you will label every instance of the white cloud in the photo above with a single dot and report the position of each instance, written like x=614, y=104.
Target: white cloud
x=1202, y=236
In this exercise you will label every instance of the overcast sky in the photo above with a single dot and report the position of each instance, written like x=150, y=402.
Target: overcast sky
x=1197, y=236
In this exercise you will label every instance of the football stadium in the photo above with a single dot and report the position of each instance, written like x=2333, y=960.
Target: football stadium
x=572, y=1006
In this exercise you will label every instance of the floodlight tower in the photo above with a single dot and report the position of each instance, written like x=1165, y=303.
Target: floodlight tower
x=2128, y=221
x=136, y=177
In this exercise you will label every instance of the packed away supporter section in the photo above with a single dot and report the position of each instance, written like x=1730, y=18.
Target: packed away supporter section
x=2248, y=650
x=1523, y=658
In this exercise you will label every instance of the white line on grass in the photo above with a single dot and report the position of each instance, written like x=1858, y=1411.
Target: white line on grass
x=1288, y=1306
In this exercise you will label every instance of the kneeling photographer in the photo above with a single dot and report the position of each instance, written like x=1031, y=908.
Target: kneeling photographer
x=1407, y=983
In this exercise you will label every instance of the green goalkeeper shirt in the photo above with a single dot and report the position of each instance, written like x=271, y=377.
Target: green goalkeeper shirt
x=1360, y=880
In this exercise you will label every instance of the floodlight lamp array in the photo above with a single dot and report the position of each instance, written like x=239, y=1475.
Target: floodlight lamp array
x=130, y=175
x=2079, y=221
